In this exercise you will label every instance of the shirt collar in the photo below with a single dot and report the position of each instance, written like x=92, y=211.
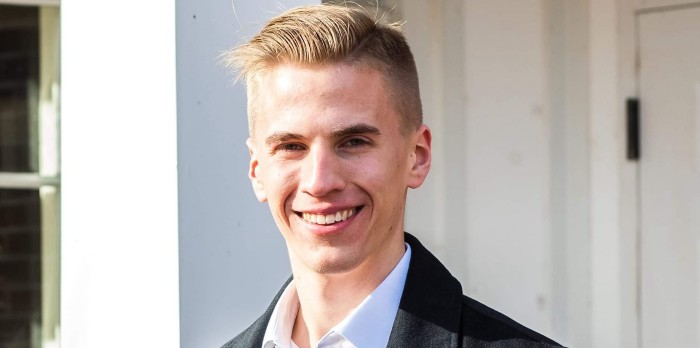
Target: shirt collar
x=368, y=325
x=279, y=329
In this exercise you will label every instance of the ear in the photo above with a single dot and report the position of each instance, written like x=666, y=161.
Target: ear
x=253, y=173
x=420, y=157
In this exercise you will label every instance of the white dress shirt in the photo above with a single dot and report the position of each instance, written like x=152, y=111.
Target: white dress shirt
x=367, y=326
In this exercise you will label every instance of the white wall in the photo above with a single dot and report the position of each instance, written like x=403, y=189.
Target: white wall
x=532, y=136
x=568, y=65
x=508, y=159
x=486, y=206
x=436, y=211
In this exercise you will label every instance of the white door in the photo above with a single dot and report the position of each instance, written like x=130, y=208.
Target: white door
x=669, y=88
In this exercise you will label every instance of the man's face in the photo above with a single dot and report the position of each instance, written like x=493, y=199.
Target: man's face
x=329, y=158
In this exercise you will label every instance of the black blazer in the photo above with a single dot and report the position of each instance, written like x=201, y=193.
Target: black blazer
x=432, y=313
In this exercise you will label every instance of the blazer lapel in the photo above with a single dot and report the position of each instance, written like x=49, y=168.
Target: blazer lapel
x=430, y=308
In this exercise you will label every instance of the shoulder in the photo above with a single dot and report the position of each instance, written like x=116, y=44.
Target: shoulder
x=242, y=340
x=251, y=337
x=436, y=310
x=491, y=328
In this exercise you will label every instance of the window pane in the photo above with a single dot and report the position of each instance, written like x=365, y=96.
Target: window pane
x=20, y=268
x=19, y=72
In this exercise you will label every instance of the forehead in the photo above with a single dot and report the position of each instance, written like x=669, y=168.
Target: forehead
x=318, y=95
x=293, y=80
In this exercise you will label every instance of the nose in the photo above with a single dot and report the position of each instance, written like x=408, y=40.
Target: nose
x=321, y=172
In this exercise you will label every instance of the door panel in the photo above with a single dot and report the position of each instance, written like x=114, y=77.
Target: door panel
x=669, y=79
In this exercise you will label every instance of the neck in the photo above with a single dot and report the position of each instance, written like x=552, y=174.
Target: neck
x=326, y=299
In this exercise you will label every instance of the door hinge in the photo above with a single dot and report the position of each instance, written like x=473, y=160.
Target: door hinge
x=633, y=139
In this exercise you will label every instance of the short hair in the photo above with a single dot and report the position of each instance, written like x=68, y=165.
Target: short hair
x=332, y=34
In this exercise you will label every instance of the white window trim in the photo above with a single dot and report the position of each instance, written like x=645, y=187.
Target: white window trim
x=31, y=2
x=26, y=181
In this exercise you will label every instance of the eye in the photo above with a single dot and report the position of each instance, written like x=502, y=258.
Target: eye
x=288, y=148
x=354, y=143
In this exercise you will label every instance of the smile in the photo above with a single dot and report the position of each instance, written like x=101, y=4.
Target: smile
x=321, y=219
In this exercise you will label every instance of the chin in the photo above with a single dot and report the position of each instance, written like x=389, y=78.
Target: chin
x=334, y=264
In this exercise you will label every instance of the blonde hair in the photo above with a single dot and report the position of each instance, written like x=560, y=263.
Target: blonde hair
x=332, y=34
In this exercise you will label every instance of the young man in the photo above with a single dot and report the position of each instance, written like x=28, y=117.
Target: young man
x=336, y=140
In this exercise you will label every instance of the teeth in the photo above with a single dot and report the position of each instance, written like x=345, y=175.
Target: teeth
x=328, y=219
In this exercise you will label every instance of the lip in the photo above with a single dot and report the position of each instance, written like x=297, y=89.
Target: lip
x=326, y=230
x=327, y=211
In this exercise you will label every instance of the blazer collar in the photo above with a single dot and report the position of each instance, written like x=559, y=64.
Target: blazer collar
x=430, y=309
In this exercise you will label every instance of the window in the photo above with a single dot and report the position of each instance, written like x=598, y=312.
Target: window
x=29, y=174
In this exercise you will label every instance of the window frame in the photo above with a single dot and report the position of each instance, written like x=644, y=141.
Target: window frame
x=46, y=177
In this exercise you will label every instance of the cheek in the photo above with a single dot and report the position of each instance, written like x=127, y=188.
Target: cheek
x=380, y=174
x=396, y=164
x=282, y=185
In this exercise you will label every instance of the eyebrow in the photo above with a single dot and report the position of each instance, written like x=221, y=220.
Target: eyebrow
x=355, y=129
x=280, y=137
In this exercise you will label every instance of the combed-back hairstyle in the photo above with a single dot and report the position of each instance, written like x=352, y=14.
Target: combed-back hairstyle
x=319, y=35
